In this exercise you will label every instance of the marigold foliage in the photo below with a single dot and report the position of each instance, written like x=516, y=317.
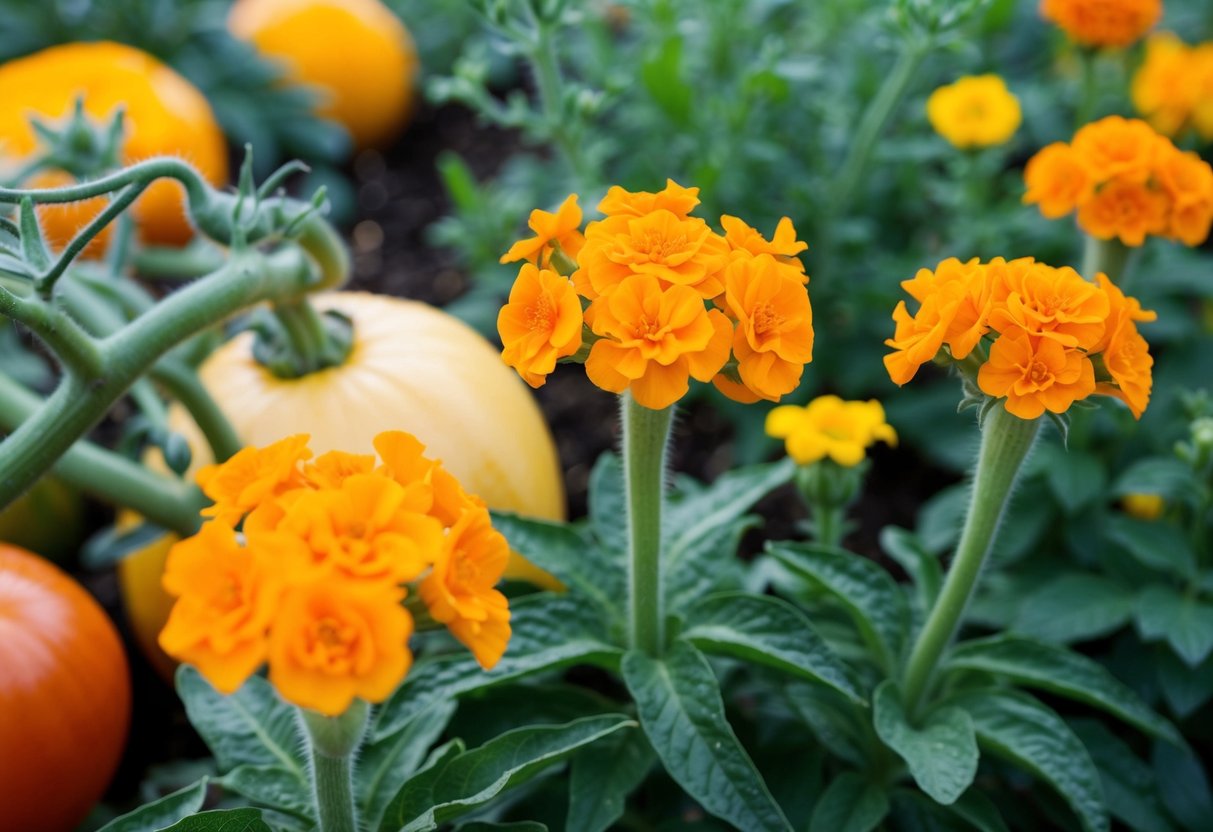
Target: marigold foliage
x=975, y=111
x=313, y=582
x=654, y=297
x=1125, y=181
x=830, y=427
x=1039, y=337
x=1103, y=22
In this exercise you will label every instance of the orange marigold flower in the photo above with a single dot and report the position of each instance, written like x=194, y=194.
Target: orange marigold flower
x=460, y=592
x=653, y=339
x=1128, y=361
x=1103, y=22
x=333, y=641
x=1168, y=86
x=917, y=338
x=561, y=228
x=1035, y=375
x=774, y=336
x=975, y=111
x=253, y=476
x=1057, y=180
x=1125, y=209
x=1124, y=148
x=1188, y=180
x=404, y=461
x=335, y=467
x=227, y=596
x=783, y=246
x=540, y=325
x=674, y=198
x=1121, y=308
x=678, y=250
x=1056, y=304
x=829, y=426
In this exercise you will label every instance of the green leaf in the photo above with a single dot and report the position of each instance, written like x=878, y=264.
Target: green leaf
x=1185, y=688
x=516, y=826
x=567, y=553
x=923, y=567
x=766, y=630
x=1075, y=477
x=867, y=592
x=850, y=804
x=915, y=812
x=1169, y=477
x=702, y=529
x=222, y=820
x=1061, y=672
x=838, y=724
x=1158, y=546
x=385, y=764
x=662, y=77
x=161, y=813
x=1018, y=728
x=1181, y=620
x=602, y=778
x=460, y=783
x=941, y=517
x=678, y=701
x=251, y=726
x=273, y=787
x=1183, y=785
x=550, y=631
x=1075, y=607
x=609, y=506
x=941, y=755
x=1129, y=785
x=979, y=812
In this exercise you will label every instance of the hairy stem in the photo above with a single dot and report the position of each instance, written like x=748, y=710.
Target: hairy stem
x=333, y=742
x=1111, y=257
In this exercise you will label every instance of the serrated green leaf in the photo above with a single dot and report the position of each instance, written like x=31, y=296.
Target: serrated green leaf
x=1020, y=729
x=1158, y=546
x=1129, y=785
x=1061, y=672
x=1075, y=607
x=1181, y=620
x=463, y=782
x=766, y=630
x=941, y=755
x=221, y=820
x=161, y=813
x=273, y=787
x=550, y=631
x=850, y=804
x=602, y=778
x=870, y=596
x=678, y=701
x=385, y=764
x=251, y=726
x=923, y=567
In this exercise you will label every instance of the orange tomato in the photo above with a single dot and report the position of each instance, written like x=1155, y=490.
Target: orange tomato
x=65, y=696
x=165, y=115
x=412, y=367
x=357, y=54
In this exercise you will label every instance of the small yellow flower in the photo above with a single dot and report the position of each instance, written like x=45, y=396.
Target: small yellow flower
x=829, y=426
x=976, y=111
x=1143, y=506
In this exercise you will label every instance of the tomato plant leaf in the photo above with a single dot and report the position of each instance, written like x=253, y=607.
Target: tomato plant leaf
x=678, y=701
x=386, y=763
x=873, y=600
x=602, y=777
x=766, y=630
x=941, y=754
x=250, y=726
x=1018, y=728
x=849, y=804
x=1182, y=621
x=550, y=631
x=163, y=812
x=461, y=782
x=1061, y=672
x=221, y=820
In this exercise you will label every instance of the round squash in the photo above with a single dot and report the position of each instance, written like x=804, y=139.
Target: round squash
x=165, y=115
x=356, y=53
x=413, y=368
x=65, y=696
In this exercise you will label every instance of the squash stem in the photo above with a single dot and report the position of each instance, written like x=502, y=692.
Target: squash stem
x=645, y=437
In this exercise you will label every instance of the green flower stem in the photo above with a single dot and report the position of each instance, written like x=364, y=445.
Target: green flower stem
x=645, y=436
x=185, y=386
x=1108, y=256
x=1089, y=95
x=550, y=84
x=1005, y=442
x=165, y=501
x=828, y=523
x=333, y=742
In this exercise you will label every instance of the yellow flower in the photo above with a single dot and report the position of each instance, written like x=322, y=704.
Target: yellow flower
x=829, y=426
x=976, y=111
x=1143, y=506
x=560, y=228
x=783, y=246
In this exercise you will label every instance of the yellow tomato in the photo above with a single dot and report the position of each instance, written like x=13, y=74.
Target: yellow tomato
x=357, y=54
x=165, y=115
x=412, y=368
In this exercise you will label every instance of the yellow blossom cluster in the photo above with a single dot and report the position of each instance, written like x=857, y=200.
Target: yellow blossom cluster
x=304, y=564
x=975, y=111
x=1126, y=181
x=1103, y=22
x=1041, y=337
x=652, y=296
x=830, y=427
x=1173, y=88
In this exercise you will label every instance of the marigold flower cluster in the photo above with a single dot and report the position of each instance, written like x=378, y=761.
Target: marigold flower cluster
x=650, y=297
x=314, y=580
x=1041, y=337
x=830, y=427
x=1173, y=88
x=975, y=111
x=1126, y=181
x=1103, y=22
